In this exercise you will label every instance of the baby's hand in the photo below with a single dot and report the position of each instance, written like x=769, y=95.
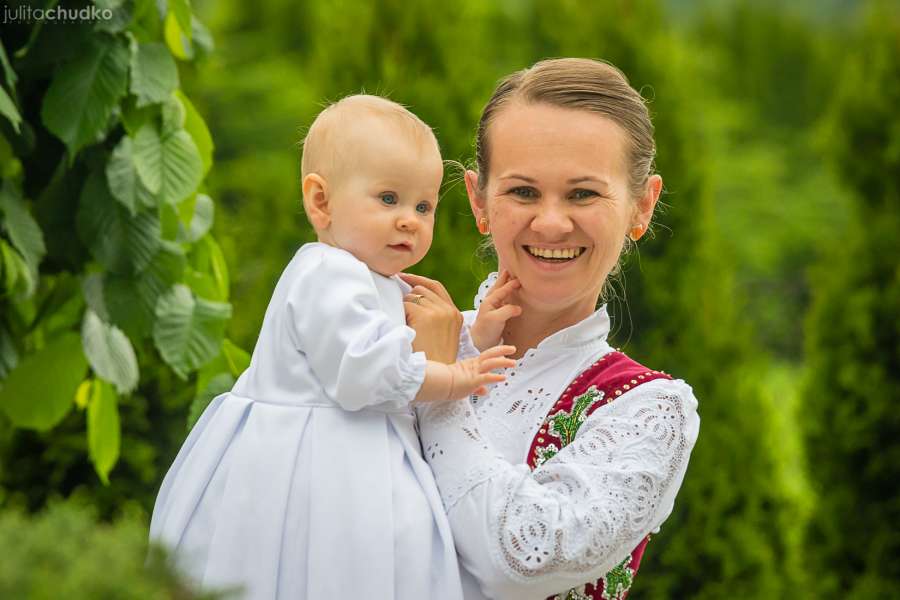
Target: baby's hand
x=495, y=311
x=469, y=376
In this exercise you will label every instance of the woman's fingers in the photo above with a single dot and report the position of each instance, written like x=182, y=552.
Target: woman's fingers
x=434, y=286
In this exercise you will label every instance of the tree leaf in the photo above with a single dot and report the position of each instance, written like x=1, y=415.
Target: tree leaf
x=196, y=127
x=198, y=221
x=9, y=356
x=38, y=393
x=131, y=301
x=176, y=40
x=109, y=353
x=23, y=230
x=188, y=330
x=8, y=109
x=84, y=92
x=103, y=429
x=122, y=243
x=124, y=183
x=154, y=75
x=169, y=165
x=181, y=9
x=237, y=358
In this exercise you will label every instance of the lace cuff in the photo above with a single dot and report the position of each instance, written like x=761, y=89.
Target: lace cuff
x=453, y=446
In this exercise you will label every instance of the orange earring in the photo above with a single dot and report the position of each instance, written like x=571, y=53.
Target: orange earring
x=483, y=226
x=636, y=232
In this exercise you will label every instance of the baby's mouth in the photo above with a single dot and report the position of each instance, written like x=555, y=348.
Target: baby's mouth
x=556, y=255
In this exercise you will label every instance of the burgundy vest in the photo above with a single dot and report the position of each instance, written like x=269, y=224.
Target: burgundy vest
x=601, y=383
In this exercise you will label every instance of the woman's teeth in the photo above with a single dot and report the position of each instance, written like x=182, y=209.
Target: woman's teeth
x=555, y=253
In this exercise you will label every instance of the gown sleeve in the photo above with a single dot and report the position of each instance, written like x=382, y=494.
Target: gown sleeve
x=533, y=534
x=358, y=354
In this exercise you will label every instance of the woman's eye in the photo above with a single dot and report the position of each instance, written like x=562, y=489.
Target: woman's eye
x=388, y=198
x=524, y=192
x=423, y=207
x=583, y=194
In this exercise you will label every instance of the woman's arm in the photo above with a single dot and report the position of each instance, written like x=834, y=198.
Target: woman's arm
x=527, y=534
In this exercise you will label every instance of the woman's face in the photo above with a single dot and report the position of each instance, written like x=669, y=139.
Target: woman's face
x=557, y=202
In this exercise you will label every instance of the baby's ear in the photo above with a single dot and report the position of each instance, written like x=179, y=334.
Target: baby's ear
x=315, y=201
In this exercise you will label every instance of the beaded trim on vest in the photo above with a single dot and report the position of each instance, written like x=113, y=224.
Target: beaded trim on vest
x=601, y=383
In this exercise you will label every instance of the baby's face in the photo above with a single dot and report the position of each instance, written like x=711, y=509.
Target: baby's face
x=382, y=209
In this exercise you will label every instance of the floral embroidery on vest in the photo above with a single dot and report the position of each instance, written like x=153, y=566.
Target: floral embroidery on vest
x=604, y=381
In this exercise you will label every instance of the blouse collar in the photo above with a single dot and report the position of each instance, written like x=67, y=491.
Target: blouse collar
x=589, y=331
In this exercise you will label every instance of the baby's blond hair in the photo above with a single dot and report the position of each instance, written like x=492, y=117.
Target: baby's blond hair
x=328, y=137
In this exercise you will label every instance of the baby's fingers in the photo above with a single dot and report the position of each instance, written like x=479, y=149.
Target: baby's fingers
x=498, y=351
x=491, y=364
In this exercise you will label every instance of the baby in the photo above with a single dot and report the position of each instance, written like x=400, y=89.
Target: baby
x=306, y=480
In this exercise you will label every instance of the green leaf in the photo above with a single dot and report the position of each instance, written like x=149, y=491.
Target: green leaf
x=103, y=429
x=196, y=127
x=168, y=165
x=17, y=277
x=236, y=358
x=109, y=353
x=154, y=75
x=206, y=258
x=9, y=356
x=173, y=115
x=177, y=41
x=38, y=393
x=8, y=109
x=92, y=289
x=218, y=384
x=188, y=330
x=131, y=301
x=23, y=230
x=84, y=92
x=124, y=183
x=9, y=76
x=181, y=9
x=196, y=218
x=133, y=118
x=122, y=243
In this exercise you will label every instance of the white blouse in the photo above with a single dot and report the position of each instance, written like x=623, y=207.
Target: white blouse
x=532, y=534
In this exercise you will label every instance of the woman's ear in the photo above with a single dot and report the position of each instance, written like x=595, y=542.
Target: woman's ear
x=475, y=200
x=647, y=203
x=315, y=201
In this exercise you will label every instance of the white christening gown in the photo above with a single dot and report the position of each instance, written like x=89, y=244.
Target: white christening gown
x=306, y=480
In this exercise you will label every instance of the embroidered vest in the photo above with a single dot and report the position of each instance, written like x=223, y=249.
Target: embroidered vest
x=602, y=382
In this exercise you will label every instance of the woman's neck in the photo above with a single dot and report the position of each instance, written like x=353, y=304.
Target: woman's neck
x=534, y=325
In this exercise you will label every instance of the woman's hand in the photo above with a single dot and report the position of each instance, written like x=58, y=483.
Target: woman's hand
x=495, y=311
x=431, y=313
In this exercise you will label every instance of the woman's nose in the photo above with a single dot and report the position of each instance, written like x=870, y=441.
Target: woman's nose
x=552, y=219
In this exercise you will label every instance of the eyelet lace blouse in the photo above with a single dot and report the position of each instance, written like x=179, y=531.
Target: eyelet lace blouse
x=533, y=534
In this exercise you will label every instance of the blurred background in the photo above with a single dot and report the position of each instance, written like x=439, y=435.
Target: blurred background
x=771, y=283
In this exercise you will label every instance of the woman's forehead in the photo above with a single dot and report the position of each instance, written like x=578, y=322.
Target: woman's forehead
x=564, y=142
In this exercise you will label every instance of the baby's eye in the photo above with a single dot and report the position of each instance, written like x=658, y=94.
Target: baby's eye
x=524, y=192
x=423, y=207
x=389, y=198
x=583, y=194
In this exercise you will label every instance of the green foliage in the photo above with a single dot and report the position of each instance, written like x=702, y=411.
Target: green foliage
x=95, y=133
x=64, y=553
x=853, y=344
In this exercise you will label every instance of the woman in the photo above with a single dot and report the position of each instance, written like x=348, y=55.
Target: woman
x=554, y=480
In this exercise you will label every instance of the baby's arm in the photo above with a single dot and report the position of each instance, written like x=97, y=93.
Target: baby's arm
x=464, y=377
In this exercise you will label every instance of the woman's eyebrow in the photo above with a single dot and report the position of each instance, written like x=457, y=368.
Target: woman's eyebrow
x=516, y=176
x=588, y=178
